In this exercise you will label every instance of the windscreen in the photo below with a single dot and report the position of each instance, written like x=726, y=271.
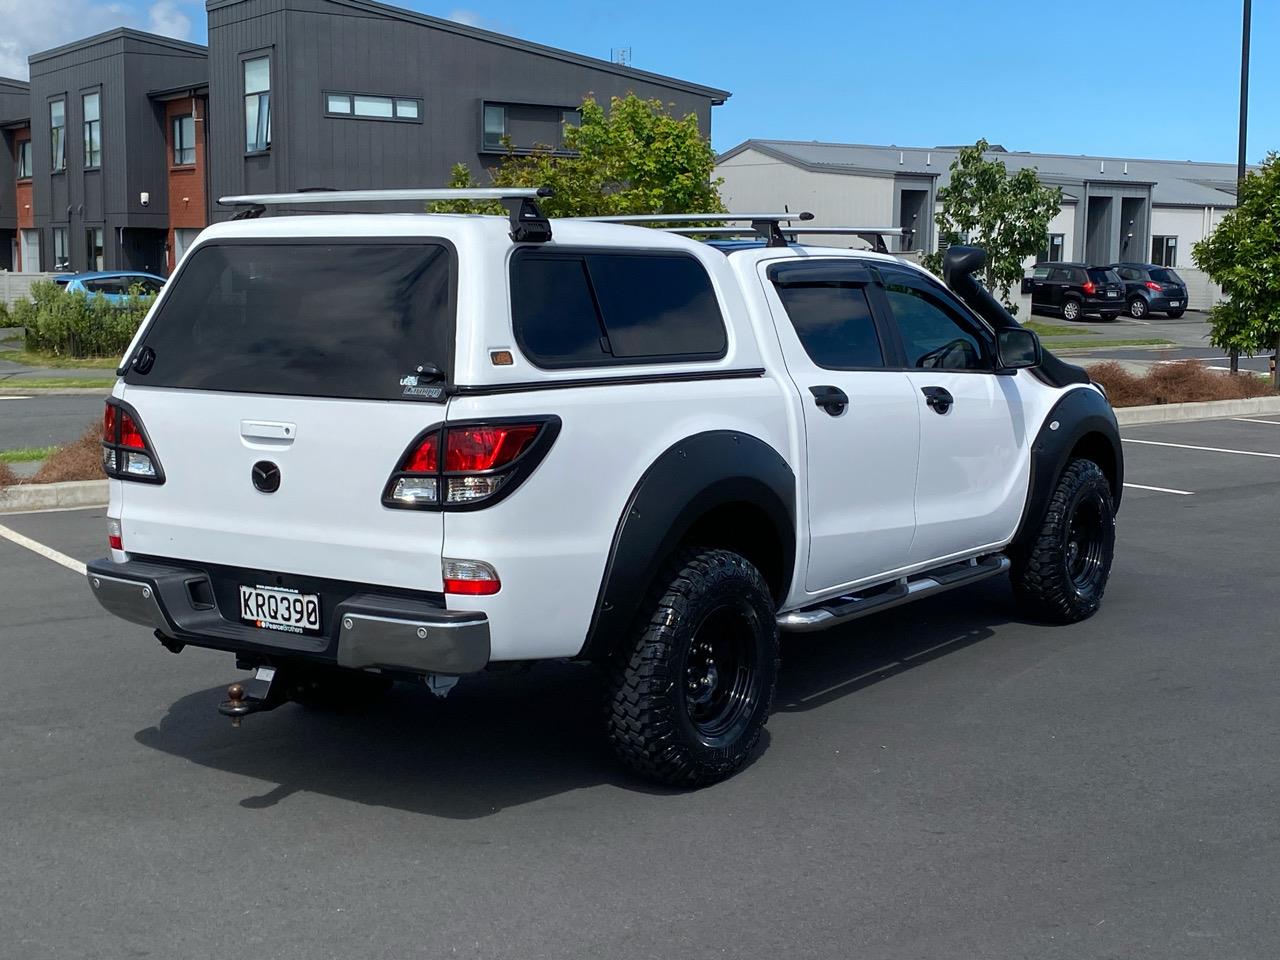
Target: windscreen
x=329, y=319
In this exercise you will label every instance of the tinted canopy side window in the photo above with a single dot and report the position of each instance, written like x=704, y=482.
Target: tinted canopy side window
x=329, y=319
x=593, y=308
x=933, y=334
x=829, y=310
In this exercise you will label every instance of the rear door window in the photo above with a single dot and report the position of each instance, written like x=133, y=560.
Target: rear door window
x=827, y=305
x=326, y=319
x=588, y=308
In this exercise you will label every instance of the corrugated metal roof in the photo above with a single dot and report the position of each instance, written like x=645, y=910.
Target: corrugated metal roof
x=1174, y=182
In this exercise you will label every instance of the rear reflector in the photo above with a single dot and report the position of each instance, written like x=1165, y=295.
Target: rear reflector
x=473, y=578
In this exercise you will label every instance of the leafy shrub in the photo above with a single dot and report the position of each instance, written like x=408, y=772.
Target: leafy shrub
x=1182, y=382
x=76, y=324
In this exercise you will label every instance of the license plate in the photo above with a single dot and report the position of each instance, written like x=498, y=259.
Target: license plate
x=277, y=608
x=1175, y=303
x=1112, y=293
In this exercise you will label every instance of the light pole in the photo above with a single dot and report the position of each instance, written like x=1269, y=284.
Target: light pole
x=1241, y=162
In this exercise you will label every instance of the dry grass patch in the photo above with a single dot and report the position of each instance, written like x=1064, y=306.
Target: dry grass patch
x=7, y=476
x=81, y=460
x=1185, y=381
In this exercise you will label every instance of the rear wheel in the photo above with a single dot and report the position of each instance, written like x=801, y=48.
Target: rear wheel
x=1063, y=573
x=1071, y=310
x=1110, y=316
x=689, y=698
x=1137, y=308
x=1175, y=314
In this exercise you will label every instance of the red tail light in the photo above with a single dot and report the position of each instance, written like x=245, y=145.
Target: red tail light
x=1089, y=287
x=468, y=465
x=126, y=452
x=1152, y=285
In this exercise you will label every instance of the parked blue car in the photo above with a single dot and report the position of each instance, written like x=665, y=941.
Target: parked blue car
x=114, y=286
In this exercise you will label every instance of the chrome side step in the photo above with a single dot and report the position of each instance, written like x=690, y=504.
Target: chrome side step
x=840, y=610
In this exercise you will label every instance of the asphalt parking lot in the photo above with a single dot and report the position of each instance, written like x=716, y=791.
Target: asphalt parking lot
x=942, y=780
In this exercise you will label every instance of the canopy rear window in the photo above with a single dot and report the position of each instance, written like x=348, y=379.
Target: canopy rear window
x=591, y=308
x=320, y=319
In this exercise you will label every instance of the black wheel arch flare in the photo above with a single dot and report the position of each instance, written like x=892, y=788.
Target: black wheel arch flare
x=1082, y=421
x=717, y=473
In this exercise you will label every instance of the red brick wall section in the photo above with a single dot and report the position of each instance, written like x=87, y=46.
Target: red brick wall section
x=186, y=183
x=22, y=188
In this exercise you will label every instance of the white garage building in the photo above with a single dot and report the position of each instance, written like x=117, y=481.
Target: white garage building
x=1113, y=208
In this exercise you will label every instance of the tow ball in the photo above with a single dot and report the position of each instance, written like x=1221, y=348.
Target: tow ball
x=265, y=690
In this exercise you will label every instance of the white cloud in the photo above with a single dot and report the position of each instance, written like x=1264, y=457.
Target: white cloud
x=167, y=19
x=472, y=19
x=30, y=26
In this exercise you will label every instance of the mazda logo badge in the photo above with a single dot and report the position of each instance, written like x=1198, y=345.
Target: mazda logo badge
x=266, y=476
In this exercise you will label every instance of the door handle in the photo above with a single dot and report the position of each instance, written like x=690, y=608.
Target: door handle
x=831, y=399
x=939, y=399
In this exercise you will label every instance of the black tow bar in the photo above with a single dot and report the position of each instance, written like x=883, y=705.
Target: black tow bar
x=263, y=691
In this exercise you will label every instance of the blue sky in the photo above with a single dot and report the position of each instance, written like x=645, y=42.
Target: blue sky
x=1141, y=78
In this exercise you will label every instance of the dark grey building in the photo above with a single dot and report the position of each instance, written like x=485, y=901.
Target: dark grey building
x=98, y=142
x=15, y=120
x=354, y=94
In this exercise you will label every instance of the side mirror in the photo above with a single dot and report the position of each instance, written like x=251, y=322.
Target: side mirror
x=1017, y=348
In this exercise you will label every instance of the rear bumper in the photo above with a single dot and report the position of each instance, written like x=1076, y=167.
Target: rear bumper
x=365, y=629
x=1170, y=302
x=1104, y=304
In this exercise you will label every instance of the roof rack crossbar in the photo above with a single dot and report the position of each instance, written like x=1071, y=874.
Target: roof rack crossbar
x=873, y=235
x=528, y=224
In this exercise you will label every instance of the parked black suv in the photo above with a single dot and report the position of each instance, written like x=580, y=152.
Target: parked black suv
x=1075, y=289
x=1149, y=288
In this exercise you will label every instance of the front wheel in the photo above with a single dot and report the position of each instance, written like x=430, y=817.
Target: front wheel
x=1063, y=573
x=688, y=699
x=1071, y=310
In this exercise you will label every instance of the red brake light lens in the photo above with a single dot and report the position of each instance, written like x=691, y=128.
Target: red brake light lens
x=1152, y=285
x=476, y=449
x=426, y=458
x=109, y=423
x=130, y=435
x=1089, y=287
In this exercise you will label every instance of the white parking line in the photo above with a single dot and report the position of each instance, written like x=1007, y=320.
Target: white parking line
x=1274, y=423
x=71, y=563
x=1187, y=446
x=14, y=398
x=1143, y=486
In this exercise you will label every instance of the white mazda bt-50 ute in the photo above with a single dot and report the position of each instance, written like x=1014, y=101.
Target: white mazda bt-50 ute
x=357, y=448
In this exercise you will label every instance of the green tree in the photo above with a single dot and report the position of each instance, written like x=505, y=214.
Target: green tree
x=633, y=158
x=1008, y=216
x=1242, y=256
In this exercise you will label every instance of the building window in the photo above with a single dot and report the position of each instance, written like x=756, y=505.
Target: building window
x=61, y=256
x=1053, y=253
x=183, y=238
x=495, y=126
x=1164, y=251
x=257, y=105
x=58, y=134
x=93, y=246
x=29, y=249
x=184, y=141
x=369, y=107
x=92, y=106
x=24, y=160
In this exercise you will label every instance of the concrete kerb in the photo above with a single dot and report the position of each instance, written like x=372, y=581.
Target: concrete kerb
x=22, y=497
x=1204, y=410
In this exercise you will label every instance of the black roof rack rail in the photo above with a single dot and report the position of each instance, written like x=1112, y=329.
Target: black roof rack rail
x=528, y=224
x=872, y=235
x=766, y=225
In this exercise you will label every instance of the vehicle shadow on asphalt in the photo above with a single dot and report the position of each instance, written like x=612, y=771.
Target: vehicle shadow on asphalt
x=503, y=740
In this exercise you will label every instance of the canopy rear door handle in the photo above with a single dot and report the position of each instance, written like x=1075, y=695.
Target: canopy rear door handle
x=831, y=399
x=939, y=399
